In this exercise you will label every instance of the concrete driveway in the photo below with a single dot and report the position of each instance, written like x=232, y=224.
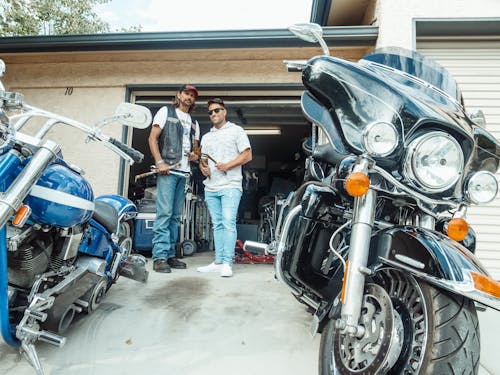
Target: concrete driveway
x=187, y=323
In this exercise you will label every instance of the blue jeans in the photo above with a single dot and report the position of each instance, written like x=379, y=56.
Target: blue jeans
x=169, y=205
x=223, y=207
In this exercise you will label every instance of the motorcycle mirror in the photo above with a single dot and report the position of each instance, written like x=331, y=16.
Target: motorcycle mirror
x=310, y=32
x=134, y=115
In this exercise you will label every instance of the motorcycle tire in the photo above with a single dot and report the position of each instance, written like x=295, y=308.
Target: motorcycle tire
x=125, y=240
x=450, y=345
x=188, y=247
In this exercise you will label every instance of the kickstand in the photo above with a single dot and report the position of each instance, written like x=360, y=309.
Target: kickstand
x=29, y=352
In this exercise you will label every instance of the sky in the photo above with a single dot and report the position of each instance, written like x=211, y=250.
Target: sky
x=201, y=15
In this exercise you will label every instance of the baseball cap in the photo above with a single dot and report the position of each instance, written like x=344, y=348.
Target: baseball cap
x=189, y=87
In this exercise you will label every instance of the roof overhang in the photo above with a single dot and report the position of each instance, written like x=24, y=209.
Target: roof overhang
x=334, y=36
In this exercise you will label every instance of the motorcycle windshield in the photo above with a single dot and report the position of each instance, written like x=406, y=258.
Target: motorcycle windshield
x=367, y=92
x=417, y=65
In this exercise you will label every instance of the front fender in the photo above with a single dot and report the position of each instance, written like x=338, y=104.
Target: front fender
x=433, y=257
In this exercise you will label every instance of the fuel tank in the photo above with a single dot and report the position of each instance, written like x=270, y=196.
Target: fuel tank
x=61, y=197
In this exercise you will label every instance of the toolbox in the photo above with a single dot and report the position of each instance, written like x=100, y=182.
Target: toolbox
x=143, y=225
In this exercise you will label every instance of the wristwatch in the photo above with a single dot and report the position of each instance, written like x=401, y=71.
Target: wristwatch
x=159, y=162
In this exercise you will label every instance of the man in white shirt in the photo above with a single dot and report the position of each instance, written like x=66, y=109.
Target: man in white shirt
x=228, y=146
x=173, y=136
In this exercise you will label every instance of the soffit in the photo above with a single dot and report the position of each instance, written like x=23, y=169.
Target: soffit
x=347, y=52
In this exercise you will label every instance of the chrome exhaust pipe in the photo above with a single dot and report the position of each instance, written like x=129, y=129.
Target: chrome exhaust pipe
x=256, y=247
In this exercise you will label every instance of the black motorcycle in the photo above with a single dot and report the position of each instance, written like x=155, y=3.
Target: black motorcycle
x=375, y=242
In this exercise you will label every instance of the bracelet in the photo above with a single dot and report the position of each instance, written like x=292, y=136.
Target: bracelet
x=159, y=162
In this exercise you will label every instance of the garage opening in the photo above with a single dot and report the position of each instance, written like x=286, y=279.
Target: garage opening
x=278, y=134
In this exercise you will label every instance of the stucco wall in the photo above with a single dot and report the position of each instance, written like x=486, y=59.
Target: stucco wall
x=87, y=105
x=394, y=17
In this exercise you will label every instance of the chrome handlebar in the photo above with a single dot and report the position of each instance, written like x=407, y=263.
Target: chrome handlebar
x=17, y=121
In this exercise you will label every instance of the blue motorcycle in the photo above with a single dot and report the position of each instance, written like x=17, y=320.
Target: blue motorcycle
x=61, y=249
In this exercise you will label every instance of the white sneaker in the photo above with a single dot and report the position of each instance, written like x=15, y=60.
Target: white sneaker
x=212, y=267
x=226, y=270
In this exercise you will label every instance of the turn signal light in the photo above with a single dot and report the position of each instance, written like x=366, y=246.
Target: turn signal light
x=486, y=285
x=357, y=184
x=22, y=215
x=457, y=229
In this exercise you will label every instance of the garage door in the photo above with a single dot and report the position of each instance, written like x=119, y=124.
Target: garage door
x=266, y=111
x=476, y=67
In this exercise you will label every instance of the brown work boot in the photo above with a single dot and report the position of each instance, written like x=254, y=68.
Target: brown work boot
x=176, y=263
x=161, y=265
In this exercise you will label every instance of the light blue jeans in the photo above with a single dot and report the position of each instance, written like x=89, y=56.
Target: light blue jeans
x=223, y=207
x=169, y=205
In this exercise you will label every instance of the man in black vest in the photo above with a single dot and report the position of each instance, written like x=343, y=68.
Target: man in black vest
x=173, y=136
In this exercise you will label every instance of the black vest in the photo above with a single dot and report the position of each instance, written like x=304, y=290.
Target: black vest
x=170, y=141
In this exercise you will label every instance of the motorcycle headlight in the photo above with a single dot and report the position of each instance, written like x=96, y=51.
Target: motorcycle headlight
x=482, y=187
x=434, y=162
x=380, y=139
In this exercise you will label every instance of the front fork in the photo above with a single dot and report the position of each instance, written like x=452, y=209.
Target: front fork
x=356, y=269
x=11, y=198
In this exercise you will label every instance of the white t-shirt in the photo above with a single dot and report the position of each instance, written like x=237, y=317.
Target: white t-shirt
x=161, y=118
x=224, y=145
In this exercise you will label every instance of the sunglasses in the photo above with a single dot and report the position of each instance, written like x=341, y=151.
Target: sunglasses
x=216, y=110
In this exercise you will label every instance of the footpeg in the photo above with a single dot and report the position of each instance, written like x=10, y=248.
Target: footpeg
x=52, y=338
x=32, y=335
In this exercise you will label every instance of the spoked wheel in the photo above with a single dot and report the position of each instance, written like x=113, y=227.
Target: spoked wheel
x=125, y=241
x=410, y=328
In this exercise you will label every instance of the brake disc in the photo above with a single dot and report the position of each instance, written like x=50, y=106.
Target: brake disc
x=376, y=351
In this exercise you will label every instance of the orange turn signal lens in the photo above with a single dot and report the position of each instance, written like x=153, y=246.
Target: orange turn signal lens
x=22, y=215
x=457, y=229
x=357, y=184
x=486, y=285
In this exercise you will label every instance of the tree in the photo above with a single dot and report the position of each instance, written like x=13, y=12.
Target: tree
x=35, y=17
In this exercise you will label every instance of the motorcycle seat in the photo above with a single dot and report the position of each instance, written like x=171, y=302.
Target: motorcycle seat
x=106, y=215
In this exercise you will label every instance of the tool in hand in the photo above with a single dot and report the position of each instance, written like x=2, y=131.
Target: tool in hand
x=204, y=155
x=154, y=170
